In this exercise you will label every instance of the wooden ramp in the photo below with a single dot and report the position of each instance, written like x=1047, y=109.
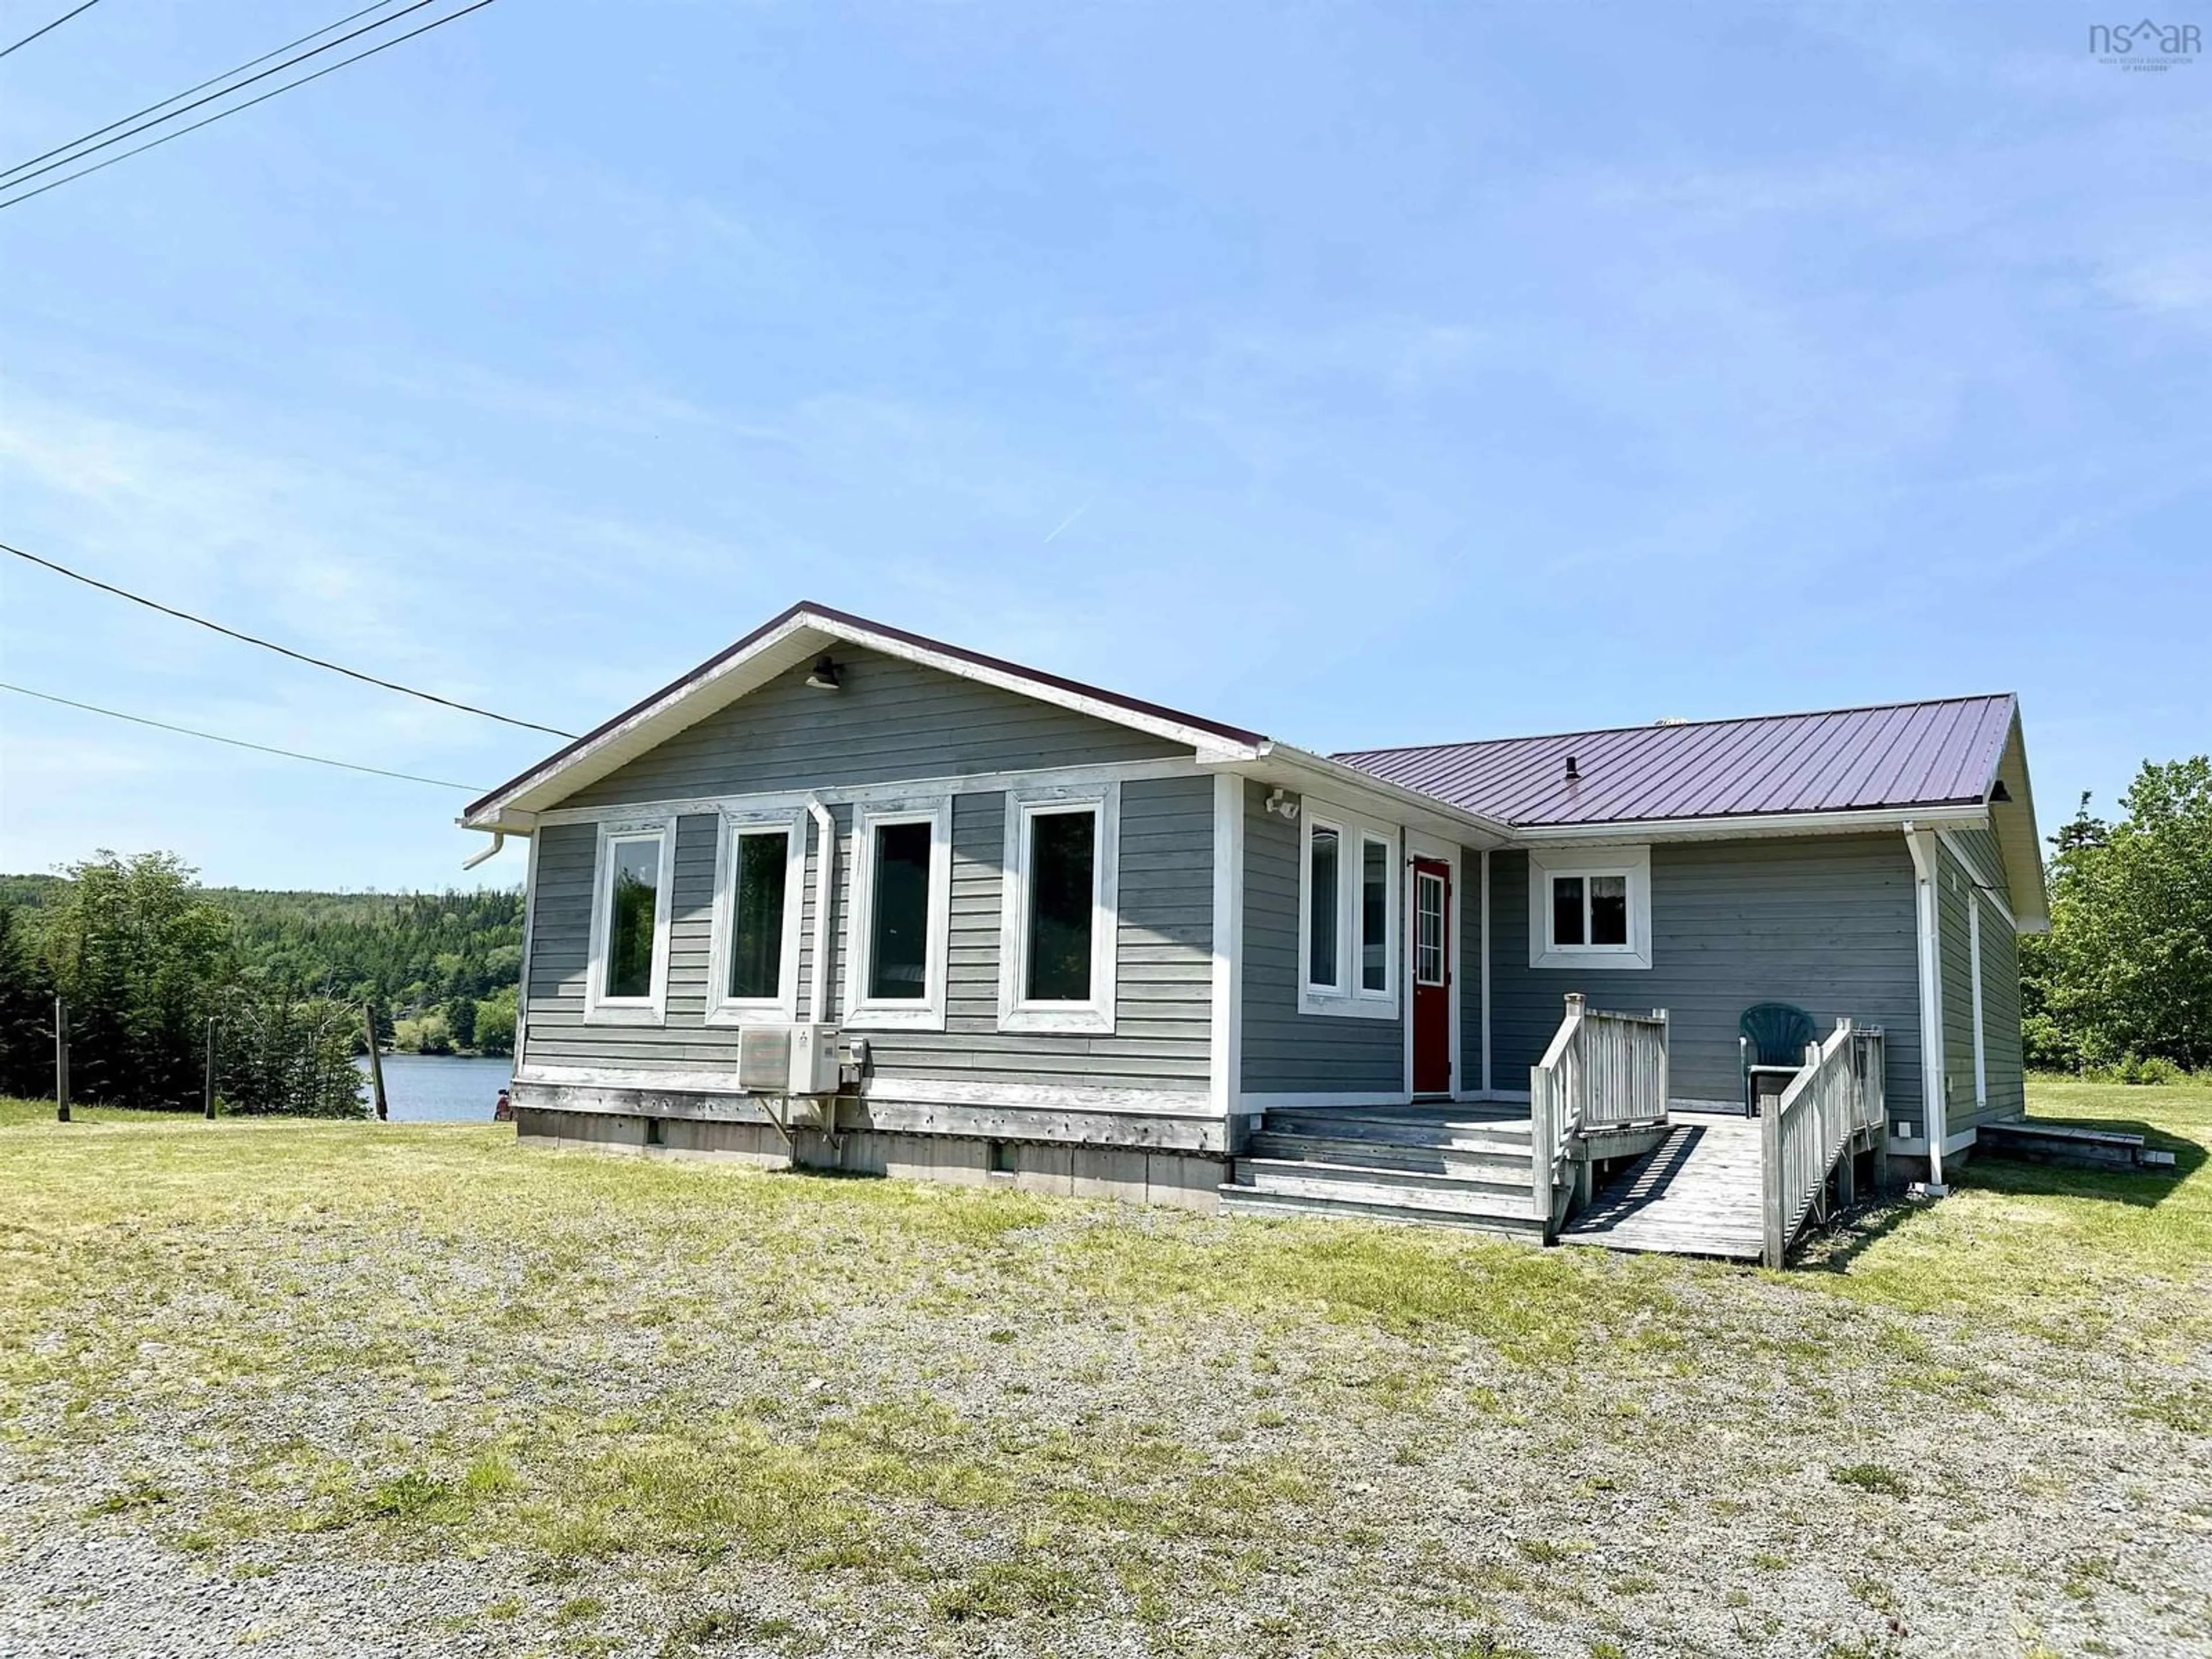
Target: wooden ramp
x=1696, y=1193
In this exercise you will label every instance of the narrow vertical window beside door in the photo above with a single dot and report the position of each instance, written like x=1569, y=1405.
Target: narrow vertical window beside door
x=898, y=937
x=633, y=898
x=756, y=917
x=1063, y=852
x=1321, y=913
x=1374, y=915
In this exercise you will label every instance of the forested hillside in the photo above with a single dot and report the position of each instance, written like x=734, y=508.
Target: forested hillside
x=431, y=961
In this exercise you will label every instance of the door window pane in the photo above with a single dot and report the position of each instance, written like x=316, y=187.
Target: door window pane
x=1608, y=909
x=633, y=895
x=1374, y=915
x=1567, y=910
x=1429, y=929
x=898, y=937
x=1320, y=921
x=756, y=917
x=1063, y=853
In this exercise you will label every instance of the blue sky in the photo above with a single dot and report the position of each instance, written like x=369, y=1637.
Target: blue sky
x=1408, y=374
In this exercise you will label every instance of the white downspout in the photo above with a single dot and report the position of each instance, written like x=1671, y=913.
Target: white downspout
x=1488, y=1093
x=825, y=878
x=1935, y=1116
x=498, y=841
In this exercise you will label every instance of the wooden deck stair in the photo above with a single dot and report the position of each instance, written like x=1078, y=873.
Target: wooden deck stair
x=1453, y=1166
x=1696, y=1193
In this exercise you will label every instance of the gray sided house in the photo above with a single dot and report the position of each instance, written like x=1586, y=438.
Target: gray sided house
x=851, y=896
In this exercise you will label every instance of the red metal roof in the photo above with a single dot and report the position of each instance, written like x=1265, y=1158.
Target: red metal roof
x=1908, y=754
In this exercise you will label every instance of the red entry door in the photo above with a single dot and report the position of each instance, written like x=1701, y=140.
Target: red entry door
x=1432, y=1059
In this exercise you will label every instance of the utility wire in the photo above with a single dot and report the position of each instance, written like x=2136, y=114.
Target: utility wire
x=280, y=650
x=57, y=23
x=238, y=742
x=249, y=64
x=25, y=172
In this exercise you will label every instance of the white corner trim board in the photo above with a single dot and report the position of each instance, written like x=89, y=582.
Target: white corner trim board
x=1632, y=864
x=1927, y=915
x=1225, y=1046
x=1485, y=877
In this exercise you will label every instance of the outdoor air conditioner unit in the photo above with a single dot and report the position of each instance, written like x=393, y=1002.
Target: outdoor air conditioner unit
x=787, y=1060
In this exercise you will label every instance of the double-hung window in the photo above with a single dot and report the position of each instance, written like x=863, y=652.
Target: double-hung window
x=1349, y=900
x=901, y=917
x=760, y=879
x=1057, y=910
x=1590, y=907
x=626, y=980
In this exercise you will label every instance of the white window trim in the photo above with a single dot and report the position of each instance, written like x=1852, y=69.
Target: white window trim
x=1632, y=862
x=1096, y=1014
x=1348, y=998
x=722, y=1008
x=600, y=1009
x=862, y=1014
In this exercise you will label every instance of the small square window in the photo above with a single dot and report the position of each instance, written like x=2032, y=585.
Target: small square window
x=1591, y=907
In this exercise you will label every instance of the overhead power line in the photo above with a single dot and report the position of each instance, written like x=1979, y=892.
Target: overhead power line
x=228, y=110
x=57, y=23
x=280, y=650
x=238, y=742
x=251, y=62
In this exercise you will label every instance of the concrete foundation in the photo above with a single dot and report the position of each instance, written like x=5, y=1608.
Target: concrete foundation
x=1186, y=1181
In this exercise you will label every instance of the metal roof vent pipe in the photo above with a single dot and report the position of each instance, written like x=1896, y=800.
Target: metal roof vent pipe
x=1574, y=772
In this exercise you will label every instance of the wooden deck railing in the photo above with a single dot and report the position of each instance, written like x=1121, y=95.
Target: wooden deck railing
x=1821, y=1119
x=1603, y=1070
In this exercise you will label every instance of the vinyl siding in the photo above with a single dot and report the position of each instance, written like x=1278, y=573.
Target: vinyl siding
x=1981, y=845
x=1164, y=975
x=1956, y=895
x=1955, y=960
x=1286, y=1051
x=892, y=719
x=2008, y=1075
x=1823, y=922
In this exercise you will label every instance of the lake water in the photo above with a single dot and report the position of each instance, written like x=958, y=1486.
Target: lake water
x=440, y=1088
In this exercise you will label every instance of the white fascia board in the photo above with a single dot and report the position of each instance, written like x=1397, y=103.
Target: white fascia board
x=804, y=635
x=1303, y=773
x=1745, y=826
x=509, y=822
x=783, y=647
x=2018, y=842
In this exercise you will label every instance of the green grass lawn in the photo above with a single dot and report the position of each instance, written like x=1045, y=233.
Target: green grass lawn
x=620, y=1405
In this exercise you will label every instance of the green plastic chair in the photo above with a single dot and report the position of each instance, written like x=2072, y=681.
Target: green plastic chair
x=1771, y=1036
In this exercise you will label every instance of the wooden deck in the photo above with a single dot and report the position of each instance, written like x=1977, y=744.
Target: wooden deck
x=1697, y=1193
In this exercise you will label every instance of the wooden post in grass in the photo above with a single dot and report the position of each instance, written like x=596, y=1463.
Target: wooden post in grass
x=207, y=1093
x=61, y=1061
x=375, y=1060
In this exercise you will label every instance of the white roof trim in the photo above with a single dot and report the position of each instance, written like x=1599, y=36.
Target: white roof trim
x=1278, y=762
x=1721, y=828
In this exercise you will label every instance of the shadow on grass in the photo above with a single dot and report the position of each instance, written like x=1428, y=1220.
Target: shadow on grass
x=1835, y=1247
x=2143, y=1189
